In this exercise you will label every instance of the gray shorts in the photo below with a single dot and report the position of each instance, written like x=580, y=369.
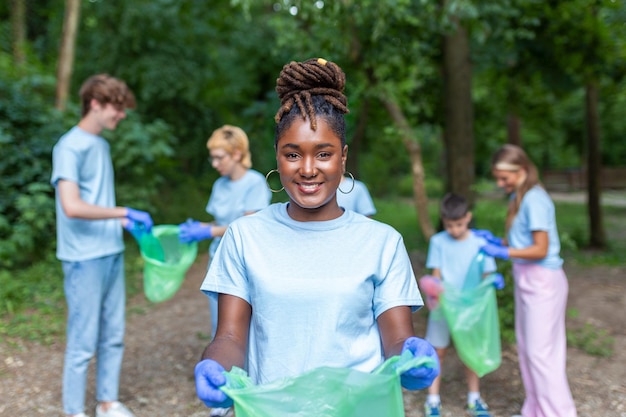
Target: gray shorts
x=437, y=331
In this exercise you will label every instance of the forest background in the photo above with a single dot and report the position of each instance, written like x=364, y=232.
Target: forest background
x=434, y=88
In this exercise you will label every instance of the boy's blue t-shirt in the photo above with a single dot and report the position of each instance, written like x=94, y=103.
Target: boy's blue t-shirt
x=536, y=213
x=230, y=200
x=316, y=288
x=85, y=159
x=453, y=257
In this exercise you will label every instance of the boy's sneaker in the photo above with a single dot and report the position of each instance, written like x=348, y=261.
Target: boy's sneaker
x=221, y=412
x=478, y=409
x=432, y=410
x=116, y=410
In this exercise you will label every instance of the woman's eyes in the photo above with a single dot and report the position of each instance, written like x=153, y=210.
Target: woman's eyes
x=321, y=155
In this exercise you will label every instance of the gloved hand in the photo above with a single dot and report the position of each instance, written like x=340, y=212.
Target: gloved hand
x=496, y=251
x=140, y=217
x=422, y=377
x=432, y=288
x=135, y=228
x=488, y=236
x=193, y=231
x=209, y=377
x=498, y=280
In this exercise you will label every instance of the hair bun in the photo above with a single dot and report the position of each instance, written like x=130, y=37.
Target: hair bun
x=299, y=82
x=315, y=76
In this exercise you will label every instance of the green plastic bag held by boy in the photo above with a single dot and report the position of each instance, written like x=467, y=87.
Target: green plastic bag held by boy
x=472, y=316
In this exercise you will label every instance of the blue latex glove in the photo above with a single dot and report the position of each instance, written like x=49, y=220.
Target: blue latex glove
x=209, y=377
x=488, y=236
x=136, y=229
x=193, y=231
x=422, y=377
x=138, y=216
x=496, y=251
x=498, y=280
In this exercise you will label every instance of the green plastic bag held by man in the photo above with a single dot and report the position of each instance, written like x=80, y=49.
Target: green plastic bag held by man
x=166, y=260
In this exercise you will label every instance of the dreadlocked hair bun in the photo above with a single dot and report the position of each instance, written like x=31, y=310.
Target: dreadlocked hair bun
x=299, y=82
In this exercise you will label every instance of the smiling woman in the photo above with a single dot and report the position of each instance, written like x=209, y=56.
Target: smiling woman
x=343, y=295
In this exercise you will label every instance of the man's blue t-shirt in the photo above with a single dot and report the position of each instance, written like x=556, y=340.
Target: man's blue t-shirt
x=85, y=159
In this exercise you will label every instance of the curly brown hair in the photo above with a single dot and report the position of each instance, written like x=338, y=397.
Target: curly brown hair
x=105, y=89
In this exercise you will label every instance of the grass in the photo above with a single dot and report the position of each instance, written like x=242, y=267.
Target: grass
x=590, y=339
x=32, y=300
x=32, y=305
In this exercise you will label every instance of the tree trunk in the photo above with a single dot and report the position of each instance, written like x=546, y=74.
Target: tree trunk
x=417, y=167
x=514, y=129
x=597, y=237
x=66, y=54
x=459, y=113
x=18, y=31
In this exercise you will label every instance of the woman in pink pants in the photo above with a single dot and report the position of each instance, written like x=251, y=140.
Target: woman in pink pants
x=532, y=243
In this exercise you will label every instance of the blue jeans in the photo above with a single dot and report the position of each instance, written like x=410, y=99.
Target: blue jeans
x=96, y=298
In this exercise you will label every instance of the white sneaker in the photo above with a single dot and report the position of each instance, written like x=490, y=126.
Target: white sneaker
x=221, y=412
x=80, y=415
x=116, y=410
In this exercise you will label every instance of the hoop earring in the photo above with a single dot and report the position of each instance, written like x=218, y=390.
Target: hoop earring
x=267, y=176
x=351, y=188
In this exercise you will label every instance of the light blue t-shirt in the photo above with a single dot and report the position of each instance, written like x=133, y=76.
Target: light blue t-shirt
x=536, y=213
x=85, y=159
x=359, y=199
x=453, y=257
x=230, y=200
x=316, y=288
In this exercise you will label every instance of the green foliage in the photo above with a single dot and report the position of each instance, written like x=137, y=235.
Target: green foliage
x=506, y=303
x=28, y=130
x=142, y=156
x=194, y=65
x=401, y=214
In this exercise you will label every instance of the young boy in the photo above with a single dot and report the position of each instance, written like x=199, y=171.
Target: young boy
x=90, y=247
x=450, y=254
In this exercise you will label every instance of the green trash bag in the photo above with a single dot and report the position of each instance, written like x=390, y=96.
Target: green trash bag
x=325, y=392
x=472, y=317
x=166, y=261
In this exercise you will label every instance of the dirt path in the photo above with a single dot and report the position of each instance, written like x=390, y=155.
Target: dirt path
x=165, y=340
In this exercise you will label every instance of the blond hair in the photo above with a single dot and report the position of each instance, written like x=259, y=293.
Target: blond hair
x=513, y=158
x=231, y=139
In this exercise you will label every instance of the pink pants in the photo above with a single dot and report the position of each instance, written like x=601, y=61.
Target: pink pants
x=540, y=302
